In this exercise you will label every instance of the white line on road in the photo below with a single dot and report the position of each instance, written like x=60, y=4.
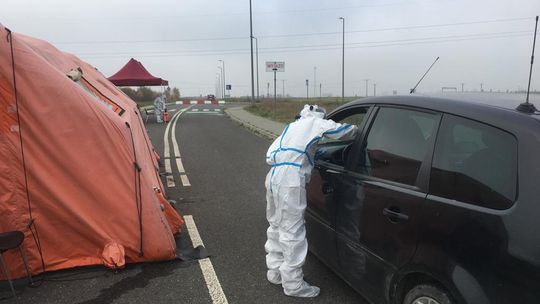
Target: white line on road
x=206, y=110
x=185, y=180
x=179, y=165
x=170, y=181
x=195, y=110
x=210, y=277
x=175, y=143
x=168, y=165
x=166, y=151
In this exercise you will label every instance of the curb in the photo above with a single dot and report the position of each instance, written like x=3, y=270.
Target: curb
x=255, y=129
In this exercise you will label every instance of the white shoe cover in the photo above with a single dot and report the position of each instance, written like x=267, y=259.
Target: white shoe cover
x=304, y=291
x=273, y=277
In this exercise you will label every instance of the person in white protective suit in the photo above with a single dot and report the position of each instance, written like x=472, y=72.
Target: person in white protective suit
x=291, y=157
x=159, y=108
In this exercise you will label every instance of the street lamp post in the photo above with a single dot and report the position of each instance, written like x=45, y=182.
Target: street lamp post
x=223, y=78
x=343, y=63
x=221, y=90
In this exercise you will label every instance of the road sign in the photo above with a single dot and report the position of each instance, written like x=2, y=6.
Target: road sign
x=228, y=87
x=278, y=66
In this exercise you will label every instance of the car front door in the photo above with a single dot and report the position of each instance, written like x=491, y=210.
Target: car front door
x=324, y=185
x=379, y=196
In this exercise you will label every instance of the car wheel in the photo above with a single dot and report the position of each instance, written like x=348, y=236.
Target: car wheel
x=427, y=294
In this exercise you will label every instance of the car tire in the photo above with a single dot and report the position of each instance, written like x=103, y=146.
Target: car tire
x=427, y=294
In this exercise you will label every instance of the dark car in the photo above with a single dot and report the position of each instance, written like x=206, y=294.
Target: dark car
x=435, y=201
x=211, y=97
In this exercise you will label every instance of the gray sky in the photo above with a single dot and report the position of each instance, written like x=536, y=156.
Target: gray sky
x=390, y=42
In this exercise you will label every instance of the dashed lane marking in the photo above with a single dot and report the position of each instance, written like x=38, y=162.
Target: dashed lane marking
x=168, y=166
x=179, y=165
x=170, y=181
x=185, y=180
x=206, y=110
x=210, y=277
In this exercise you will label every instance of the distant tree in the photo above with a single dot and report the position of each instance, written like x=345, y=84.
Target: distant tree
x=175, y=94
x=141, y=93
x=130, y=92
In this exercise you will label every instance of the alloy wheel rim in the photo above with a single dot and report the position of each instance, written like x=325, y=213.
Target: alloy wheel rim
x=425, y=300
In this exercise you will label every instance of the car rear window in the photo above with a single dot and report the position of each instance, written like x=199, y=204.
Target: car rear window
x=474, y=163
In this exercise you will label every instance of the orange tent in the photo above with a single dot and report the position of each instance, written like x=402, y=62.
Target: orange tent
x=78, y=174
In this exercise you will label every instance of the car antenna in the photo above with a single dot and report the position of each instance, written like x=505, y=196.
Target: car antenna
x=528, y=107
x=414, y=89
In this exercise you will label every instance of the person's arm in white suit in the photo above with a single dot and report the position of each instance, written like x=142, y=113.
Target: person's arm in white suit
x=334, y=130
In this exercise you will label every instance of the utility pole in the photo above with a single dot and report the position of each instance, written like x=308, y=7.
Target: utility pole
x=343, y=64
x=283, y=80
x=257, y=63
x=320, y=90
x=462, y=87
x=314, y=81
x=307, y=88
x=374, y=89
x=481, y=87
x=275, y=70
x=367, y=80
x=251, y=42
x=268, y=89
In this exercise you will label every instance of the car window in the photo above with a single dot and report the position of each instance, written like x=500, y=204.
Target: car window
x=397, y=143
x=474, y=163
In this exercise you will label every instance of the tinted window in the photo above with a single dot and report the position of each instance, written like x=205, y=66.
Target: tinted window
x=397, y=143
x=474, y=163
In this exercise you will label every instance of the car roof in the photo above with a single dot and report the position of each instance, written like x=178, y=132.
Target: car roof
x=488, y=108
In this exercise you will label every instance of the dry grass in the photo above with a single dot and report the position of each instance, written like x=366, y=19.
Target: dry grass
x=286, y=110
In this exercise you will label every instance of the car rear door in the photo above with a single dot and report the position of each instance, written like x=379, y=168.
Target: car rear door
x=380, y=195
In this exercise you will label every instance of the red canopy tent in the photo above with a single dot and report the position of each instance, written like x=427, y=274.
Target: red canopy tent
x=134, y=74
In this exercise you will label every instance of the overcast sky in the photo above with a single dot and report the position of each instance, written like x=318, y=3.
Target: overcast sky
x=389, y=42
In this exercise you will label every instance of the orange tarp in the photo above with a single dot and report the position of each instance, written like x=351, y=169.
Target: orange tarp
x=76, y=159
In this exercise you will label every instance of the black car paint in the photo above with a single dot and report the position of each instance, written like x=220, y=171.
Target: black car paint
x=479, y=255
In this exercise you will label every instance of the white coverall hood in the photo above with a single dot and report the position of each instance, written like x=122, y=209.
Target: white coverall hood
x=291, y=156
x=312, y=111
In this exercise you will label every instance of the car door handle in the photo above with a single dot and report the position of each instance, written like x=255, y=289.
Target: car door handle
x=395, y=215
x=332, y=171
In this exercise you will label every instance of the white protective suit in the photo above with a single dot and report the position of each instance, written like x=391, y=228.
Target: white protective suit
x=159, y=108
x=291, y=157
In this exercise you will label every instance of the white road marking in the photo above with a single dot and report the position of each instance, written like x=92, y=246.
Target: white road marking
x=166, y=151
x=210, y=277
x=168, y=165
x=221, y=101
x=179, y=165
x=206, y=113
x=217, y=110
x=195, y=110
x=206, y=110
x=174, y=141
x=185, y=180
x=193, y=102
x=170, y=181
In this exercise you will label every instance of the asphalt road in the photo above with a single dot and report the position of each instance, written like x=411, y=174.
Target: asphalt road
x=225, y=167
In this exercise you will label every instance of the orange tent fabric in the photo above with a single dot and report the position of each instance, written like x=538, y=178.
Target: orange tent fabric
x=78, y=174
